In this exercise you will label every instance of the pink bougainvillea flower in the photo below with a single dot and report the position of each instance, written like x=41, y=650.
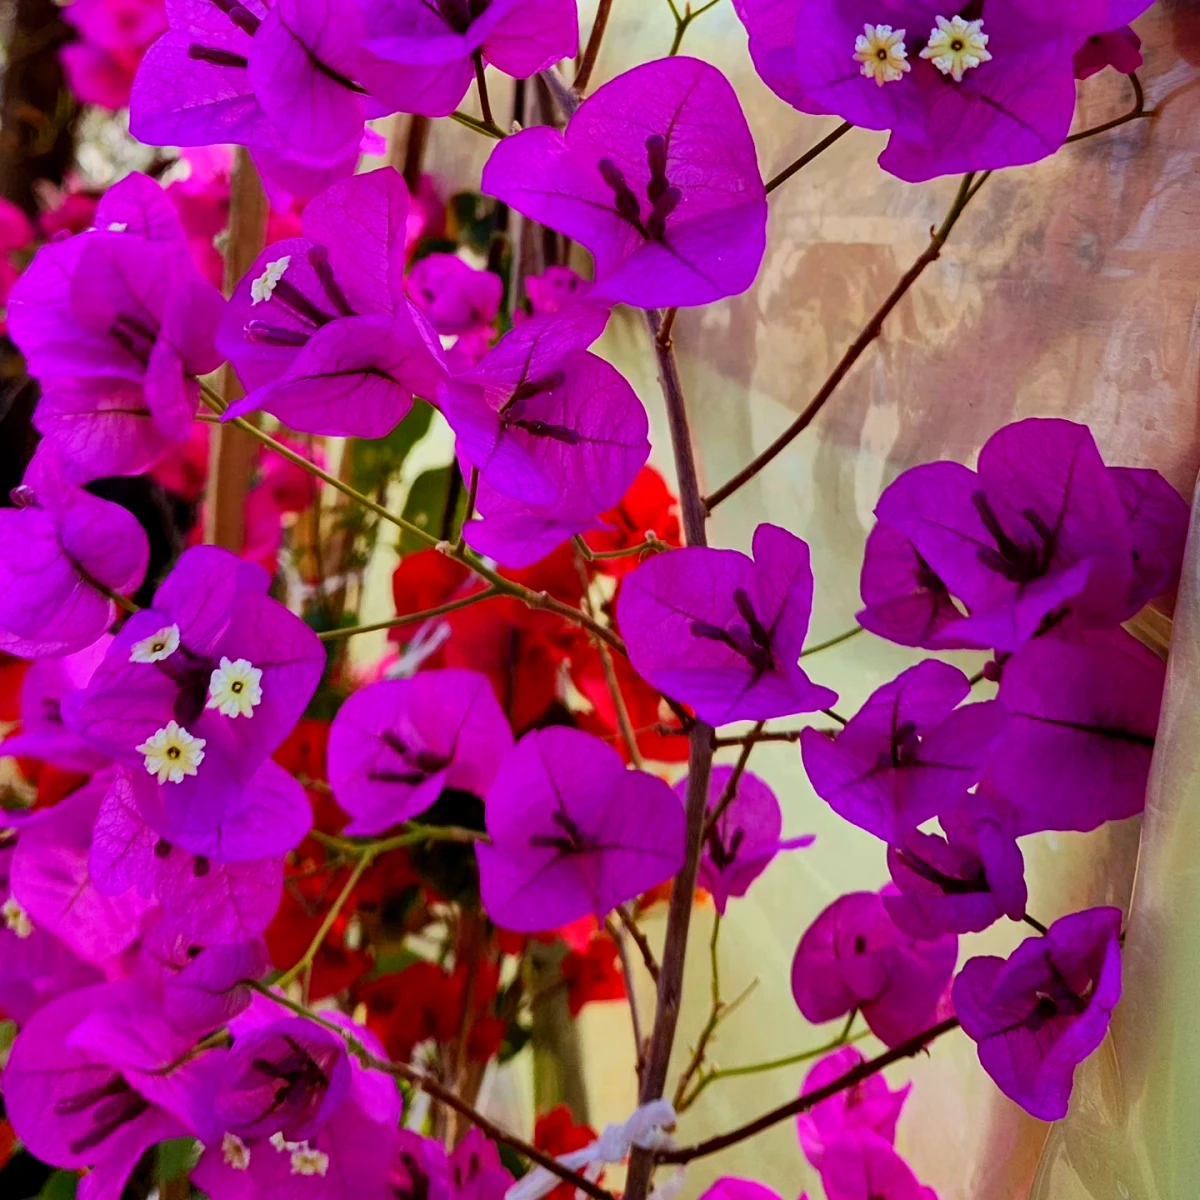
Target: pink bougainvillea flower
x=958, y=883
x=424, y=49
x=43, y=735
x=420, y=1168
x=1035, y=1016
x=573, y=832
x=745, y=838
x=1076, y=749
x=98, y=1077
x=453, y=295
x=853, y=956
x=723, y=633
x=120, y=305
x=554, y=289
x=905, y=601
x=907, y=755
x=869, y=1105
x=974, y=89
x=731, y=1188
x=276, y=77
x=395, y=745
x=296, y=1115
x=861, y=1165
x=211, y=903
x=319, y=330
x=1158, y=525
x=63, y=554
x=1120, y=49
x=1038, y=529
x=476, y=1172
x=656, y=175
x=35, y=966
x=557, y=435
x=51, y=880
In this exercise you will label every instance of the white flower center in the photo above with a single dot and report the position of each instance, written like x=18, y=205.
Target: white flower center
x=156, y=647
x=118, y=226
x=881, y=51
x=957, y=46
x=172, y=753
x=235, y=688
x=16, y=918
x=235, y=1152
x=307, y=1161
x=264, y=286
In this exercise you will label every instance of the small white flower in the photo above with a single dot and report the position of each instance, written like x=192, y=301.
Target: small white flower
x=118, y=226
x=156, y=647
x=277, y=1140
x=16, y=918
x=172, y=753
x=235, y=1152
x=235, y=688
x=307, y=1161
x=881, y=51
x=957, y=46
x=264, y=286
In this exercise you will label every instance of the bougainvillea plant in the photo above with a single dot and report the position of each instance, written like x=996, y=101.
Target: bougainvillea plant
x=273, y=913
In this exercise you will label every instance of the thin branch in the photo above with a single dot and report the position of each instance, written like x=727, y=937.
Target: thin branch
x=485, y=103
x=1034, y=923
x=835, y=716
x=429, y=1085
x=468, y=512
x=1137, y=113
x=714, y=1017
x=773, y=735
x=870, y=332
x=833, y=641
x=807, y=157
x=476, y=124
x=588, y=63
x=635, y=1016
x=427, y=614
x=700, y=755
x=682, y=22
x=857, y=1074
x=792, y=1060
x=639, y=940
x=335, y=910
x=748, y=744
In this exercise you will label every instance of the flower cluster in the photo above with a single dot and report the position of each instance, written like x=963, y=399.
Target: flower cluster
x=222, y=820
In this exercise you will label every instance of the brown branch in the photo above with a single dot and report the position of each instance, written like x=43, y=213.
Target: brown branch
x=807, y=157
x=748, y=744
x=853, y=353
x=864, y=1070
x=438, y=1092
x=700, y=755
x=331, y=635
x=639, y=940
x=588, y=63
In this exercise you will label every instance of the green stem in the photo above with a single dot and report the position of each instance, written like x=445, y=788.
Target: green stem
x=332, y=635
x=477, y=125
x=833, y=641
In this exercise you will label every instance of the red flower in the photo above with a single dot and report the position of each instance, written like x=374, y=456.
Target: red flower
x=648, y=507
x=556, y=1133
x=594, y=974
x=519, y=648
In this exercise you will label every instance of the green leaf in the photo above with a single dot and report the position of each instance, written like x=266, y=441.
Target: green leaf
x=426, y=507
x=62, y=1185
x=176, y=1158
x=376, y=460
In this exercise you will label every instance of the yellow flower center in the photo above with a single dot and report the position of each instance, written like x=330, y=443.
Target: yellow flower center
x=235, y=688
x=882, y=54
x=172, y=753
x=956, y=46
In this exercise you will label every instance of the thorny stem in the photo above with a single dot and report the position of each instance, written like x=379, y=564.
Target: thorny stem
x=710, y=1077
x=639, y=940
x=748, y=744
x=419, y=1079
x=335, y=910
x=807, y=157
x=700, y=756
x=635, y=1016
x=588, y=63
x=427, y=614
x=848, y=1079
x=870, y=332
